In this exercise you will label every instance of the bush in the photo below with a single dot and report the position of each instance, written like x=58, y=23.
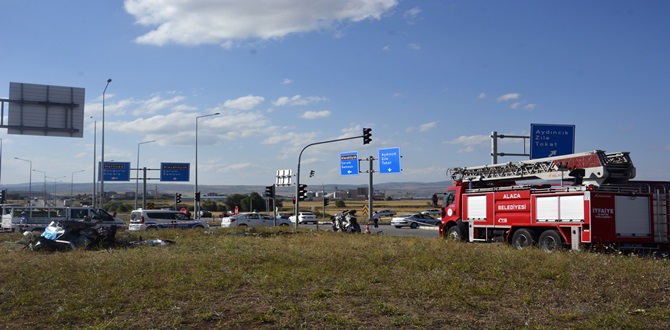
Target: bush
x=340, y=203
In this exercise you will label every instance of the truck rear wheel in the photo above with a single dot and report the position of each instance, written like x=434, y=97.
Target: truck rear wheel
x=550, y=241
x=523, y=238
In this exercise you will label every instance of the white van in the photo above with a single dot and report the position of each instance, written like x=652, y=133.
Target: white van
x=38, y=218
x=156, y=219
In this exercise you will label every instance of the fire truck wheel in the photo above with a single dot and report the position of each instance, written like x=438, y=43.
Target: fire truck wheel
x=550, y=240
x=453, y=234
x=523, y=238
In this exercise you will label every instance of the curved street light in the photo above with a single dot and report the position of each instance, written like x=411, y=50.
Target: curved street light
x=102, y=151
x=137, y=177
x=196, y=204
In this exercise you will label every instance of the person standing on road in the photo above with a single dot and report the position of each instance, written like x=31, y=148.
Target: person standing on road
x=375, y=219
x=24, y=220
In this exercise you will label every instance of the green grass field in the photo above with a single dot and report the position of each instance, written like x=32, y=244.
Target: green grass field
x=278, y=278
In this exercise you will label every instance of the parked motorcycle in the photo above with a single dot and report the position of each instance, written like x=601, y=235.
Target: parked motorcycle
x=345, y=222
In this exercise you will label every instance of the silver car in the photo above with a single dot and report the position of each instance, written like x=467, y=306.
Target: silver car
x=305, y=217
x=414, y=220
x=252, y=219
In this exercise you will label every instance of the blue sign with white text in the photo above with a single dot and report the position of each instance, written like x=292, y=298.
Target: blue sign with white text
x=349, y=163
x=551, y=140
x=115, y=171
x=175, y=172
x=389, y=161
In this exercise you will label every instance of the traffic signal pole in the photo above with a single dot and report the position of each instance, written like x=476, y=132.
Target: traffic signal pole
x=297, y=174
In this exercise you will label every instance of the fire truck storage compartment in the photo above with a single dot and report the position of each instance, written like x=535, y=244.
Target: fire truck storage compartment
x=632, y=216
x=476, y=207
x=563, y=208
x=621, y=218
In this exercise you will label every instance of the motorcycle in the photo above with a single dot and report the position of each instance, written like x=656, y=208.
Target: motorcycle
x=345, y=222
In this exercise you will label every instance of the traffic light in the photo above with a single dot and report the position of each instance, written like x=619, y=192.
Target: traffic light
x=302, y=192
x=311, y=173
x=293, y=200
x=197, y=196
x=270, y=191
x=325, y=202
x=434, y=200
x=177, y=198
x=3, y=196
x=367, y=135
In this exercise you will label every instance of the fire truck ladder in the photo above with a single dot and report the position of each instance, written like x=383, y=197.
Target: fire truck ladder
x=592, y=167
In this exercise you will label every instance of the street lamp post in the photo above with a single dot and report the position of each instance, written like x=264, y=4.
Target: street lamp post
x=72, y=183
x=45, y=186
x=196, y=204
x=102, y=151
x=30, y=183
x=95, y=161
x=137, y=178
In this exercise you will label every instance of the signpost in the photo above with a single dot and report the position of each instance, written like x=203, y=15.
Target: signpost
x=389, y=161
x=175, y=172
x=115, y=171
x=548, y=140
x=349, y=163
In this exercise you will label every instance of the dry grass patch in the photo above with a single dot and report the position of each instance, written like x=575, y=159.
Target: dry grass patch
x=277, y=278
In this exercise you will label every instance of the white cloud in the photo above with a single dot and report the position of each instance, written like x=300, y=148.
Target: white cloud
x=316, y=114
x=224, y=22
x=482, y=95
x=298, y=100
x=470, y=142
x=423, y=127
x=286, y=81
x=427, y=126
x=529, y=106
x=508, y=97
x=414, y=46
x=412, y=13
x=244, y=103
x=157, y=103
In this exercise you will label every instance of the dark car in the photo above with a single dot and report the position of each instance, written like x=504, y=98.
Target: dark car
x=205, y=214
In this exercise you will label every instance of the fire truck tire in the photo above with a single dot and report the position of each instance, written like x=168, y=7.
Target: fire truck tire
x=550, y=241
x=453, y=234
x=523, y=238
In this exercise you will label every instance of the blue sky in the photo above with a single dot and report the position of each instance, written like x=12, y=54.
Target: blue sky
x=433, y=78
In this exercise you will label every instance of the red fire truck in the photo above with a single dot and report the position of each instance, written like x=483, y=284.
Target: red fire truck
x=572, y=201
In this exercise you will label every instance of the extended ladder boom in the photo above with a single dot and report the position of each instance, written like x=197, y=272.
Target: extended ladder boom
x=593, y=167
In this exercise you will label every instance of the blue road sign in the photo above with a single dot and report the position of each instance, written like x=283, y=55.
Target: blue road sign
x=115, y=171
x=349, y=163
x=551, y=140
x=389, y=161
x=175, y=172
